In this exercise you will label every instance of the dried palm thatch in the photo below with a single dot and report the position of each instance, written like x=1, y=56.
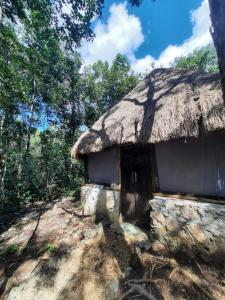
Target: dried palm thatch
x=167, y=104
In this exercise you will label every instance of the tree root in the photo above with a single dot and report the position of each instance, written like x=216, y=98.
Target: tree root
x=139, y=289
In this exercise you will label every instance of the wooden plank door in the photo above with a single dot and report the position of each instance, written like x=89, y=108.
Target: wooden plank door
x=136, y=187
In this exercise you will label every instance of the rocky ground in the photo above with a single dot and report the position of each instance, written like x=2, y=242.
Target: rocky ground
x=52, y=251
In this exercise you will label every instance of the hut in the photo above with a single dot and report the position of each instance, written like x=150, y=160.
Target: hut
x=160, y=149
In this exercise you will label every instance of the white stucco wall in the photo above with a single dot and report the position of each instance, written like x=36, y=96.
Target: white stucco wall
x=193, y=165
x=104, y=167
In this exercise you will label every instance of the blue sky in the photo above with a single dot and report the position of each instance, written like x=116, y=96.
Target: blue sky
x=153, y=34
x=162, y=23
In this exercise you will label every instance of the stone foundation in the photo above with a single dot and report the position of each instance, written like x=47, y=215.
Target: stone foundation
x=99, y=201
x=188, y=226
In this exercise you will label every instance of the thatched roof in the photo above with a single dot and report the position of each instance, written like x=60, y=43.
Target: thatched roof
x=167, y=104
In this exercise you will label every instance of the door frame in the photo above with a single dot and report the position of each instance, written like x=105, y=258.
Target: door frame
x=153, y=174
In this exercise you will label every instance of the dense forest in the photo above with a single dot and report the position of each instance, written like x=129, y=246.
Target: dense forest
x=48, y=96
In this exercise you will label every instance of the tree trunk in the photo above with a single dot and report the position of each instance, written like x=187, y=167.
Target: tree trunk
x=217, y=14
x=2, y=185
x=1, y=12
x=20, y=167
x=29, y=128
x=2, y=124
x=27, y=150
x=25, y=155
x=3, y=166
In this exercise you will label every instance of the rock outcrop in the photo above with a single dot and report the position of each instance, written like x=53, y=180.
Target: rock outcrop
x=192, y=227
x=99, y=201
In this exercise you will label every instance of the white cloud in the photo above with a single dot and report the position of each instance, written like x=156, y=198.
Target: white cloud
x=200, y=37
x=143, y=65
x=122, y=34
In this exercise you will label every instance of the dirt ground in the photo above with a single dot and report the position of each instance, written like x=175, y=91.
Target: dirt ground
x=51, y=251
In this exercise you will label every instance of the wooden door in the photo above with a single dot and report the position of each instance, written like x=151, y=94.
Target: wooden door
x=136, y=181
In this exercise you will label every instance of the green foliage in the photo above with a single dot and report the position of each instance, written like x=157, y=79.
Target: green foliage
x=204, y=59
x=35, y=164
x=41, y=79
x=50, y=248
x=12, y=249
x=11, y=65
x=70, y=18
x=106, y=85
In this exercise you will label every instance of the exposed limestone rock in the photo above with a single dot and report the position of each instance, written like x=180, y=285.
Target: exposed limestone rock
x=189, y=226
x=113, y=290
x=172, y=224
x=160, y=218
x=133, y=234
x=99, y=201
x=158, y=247
x=69, y=256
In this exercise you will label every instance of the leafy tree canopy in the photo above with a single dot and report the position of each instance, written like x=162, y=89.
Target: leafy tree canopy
x=70, y=18
x=204, y=59
x=107, y=85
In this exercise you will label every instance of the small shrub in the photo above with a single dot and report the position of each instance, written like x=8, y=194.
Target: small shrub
x=49, y=248
x=12, y=249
